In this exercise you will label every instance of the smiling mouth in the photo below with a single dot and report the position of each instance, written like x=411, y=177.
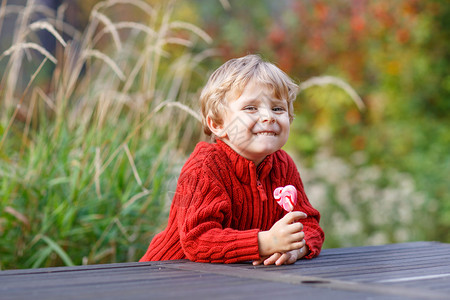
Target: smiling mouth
x=266, y=133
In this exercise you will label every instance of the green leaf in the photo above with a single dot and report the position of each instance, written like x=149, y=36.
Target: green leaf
x=55, y=247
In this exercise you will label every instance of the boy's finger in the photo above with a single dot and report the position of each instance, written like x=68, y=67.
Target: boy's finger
x=272, y=259
x=297, y=245
x=295, y=216
x=257, y=262
x=283, y=259
x=297, y=237
x=295, y=227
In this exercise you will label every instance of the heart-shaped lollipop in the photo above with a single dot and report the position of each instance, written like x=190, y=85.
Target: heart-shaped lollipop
x=286, y=197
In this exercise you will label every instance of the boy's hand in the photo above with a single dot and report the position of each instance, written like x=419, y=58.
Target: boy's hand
x=283, y=258
x=284, y=236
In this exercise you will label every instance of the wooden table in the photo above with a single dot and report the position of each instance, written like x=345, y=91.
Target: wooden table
x=419, y=270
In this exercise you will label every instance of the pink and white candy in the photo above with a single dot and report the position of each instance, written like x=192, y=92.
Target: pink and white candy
x=286, y=197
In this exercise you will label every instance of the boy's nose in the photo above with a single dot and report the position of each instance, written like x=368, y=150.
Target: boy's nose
x=267, y=116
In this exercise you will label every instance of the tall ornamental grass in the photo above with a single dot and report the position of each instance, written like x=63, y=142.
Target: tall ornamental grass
x=89, y=133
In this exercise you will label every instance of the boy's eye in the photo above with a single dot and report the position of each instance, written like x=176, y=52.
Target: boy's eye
x=279, y=109
x=250, y=108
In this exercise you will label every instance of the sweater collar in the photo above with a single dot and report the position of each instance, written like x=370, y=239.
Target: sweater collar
x=243, y=166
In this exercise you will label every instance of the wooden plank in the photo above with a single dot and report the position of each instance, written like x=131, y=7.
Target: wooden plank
x=79, y=268
x=378, y=262
x=257, y=273
x=189, y=285
x=371, y=267
x=348, y=273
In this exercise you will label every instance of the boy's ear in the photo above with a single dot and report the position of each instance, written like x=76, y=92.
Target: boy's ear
x=215, y=128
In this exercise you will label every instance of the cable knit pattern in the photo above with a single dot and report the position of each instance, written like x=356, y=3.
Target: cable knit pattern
x=221, y=203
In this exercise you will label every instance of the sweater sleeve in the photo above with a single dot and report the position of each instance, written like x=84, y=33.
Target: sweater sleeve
x=314, y=235
x=204, y=221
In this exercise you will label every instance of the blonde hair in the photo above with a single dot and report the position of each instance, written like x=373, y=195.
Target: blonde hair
x=233, y=76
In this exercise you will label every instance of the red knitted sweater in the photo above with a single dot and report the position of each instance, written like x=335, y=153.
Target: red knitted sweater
x=222, y=201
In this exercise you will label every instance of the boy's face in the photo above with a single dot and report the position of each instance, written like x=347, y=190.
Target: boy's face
x=256, y=124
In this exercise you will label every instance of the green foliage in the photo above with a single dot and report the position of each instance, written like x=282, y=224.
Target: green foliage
x=395, y=54
x=59, y=207
x=87, y=159
x=88, y=149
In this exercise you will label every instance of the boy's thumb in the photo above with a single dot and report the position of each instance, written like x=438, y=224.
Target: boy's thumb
x=296, y=215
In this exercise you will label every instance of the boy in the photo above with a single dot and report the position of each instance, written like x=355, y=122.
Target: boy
x=223, y=210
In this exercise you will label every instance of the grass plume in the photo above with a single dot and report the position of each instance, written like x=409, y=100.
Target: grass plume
x=87, y=149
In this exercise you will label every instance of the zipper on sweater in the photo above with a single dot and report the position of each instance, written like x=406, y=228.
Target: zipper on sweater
x=262, y=192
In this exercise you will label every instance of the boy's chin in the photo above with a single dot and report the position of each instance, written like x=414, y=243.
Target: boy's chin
x=263, y=152
x=267, y=146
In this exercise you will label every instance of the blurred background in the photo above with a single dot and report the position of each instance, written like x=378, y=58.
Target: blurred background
x=98, y=112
